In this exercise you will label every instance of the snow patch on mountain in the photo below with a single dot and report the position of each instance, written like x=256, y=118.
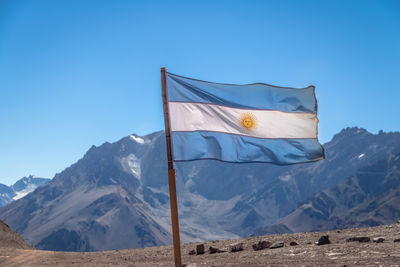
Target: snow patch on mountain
x=285, y=178
x=131, y=164
x=29, y=188
x=138, y=139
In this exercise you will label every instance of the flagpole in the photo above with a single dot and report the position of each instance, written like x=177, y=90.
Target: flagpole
x=171, y=174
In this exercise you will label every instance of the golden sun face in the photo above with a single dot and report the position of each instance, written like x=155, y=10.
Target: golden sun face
x=248, y=121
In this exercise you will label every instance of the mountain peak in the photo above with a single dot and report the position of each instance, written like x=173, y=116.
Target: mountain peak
x=356, y=132
x=20, y=188
x=353, y=130
x=349, y=132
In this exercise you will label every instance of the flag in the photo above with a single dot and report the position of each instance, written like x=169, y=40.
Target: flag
x=242, y=123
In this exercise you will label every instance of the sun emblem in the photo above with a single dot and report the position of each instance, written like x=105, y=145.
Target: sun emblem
x=248, y=121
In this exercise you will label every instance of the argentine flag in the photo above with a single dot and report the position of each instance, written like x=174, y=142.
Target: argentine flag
x=242, y=123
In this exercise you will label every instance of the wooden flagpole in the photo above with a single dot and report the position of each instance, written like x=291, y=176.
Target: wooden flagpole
x=171, y=174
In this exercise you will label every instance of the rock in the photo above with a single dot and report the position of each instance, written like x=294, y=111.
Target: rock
x=277, y=245
x=359, y=239
x=323, y=240
x=261, y=245
x=293, y=243
x=200, y=249
x=378, y=239
x=236, y=247
x=396, y=240
x=215, y=250
x=192, y=252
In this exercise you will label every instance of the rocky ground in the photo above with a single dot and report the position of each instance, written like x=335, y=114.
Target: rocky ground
x=339, y=252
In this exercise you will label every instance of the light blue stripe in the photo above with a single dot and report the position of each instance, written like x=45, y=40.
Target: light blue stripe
x=251, y=96
x=235, y=148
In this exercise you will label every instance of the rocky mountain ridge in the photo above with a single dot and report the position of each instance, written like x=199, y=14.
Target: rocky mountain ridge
x=369, y=197
x=116, y=196
x=20, y=188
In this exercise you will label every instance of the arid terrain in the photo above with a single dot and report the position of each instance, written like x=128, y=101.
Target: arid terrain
x=10, y=239
x=340, y=252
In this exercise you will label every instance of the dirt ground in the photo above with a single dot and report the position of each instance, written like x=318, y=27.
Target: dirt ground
x=307, y=253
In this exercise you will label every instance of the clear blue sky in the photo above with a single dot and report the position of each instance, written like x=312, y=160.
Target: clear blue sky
x=80, y=73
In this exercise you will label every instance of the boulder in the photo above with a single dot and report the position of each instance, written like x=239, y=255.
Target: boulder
x=323, y=240
x=200, y=249
x=277, y=245
x=378, y=239
x=261, y=245
x=213, y=250
x=235, y=247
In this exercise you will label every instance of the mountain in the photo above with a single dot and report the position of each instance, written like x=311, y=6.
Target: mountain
x=10, y=239
x=268, y=193
x=20, y=189
x=95, y=204
x=369, y=197
x=116, y=196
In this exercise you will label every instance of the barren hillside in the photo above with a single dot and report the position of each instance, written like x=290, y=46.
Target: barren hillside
x=10, y=239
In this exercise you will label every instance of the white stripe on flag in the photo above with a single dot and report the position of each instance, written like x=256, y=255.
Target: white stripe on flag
x=187, y=116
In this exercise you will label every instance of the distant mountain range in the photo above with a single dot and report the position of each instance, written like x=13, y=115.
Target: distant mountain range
x=20, y=189
x=369, y=197
x=116, y=196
